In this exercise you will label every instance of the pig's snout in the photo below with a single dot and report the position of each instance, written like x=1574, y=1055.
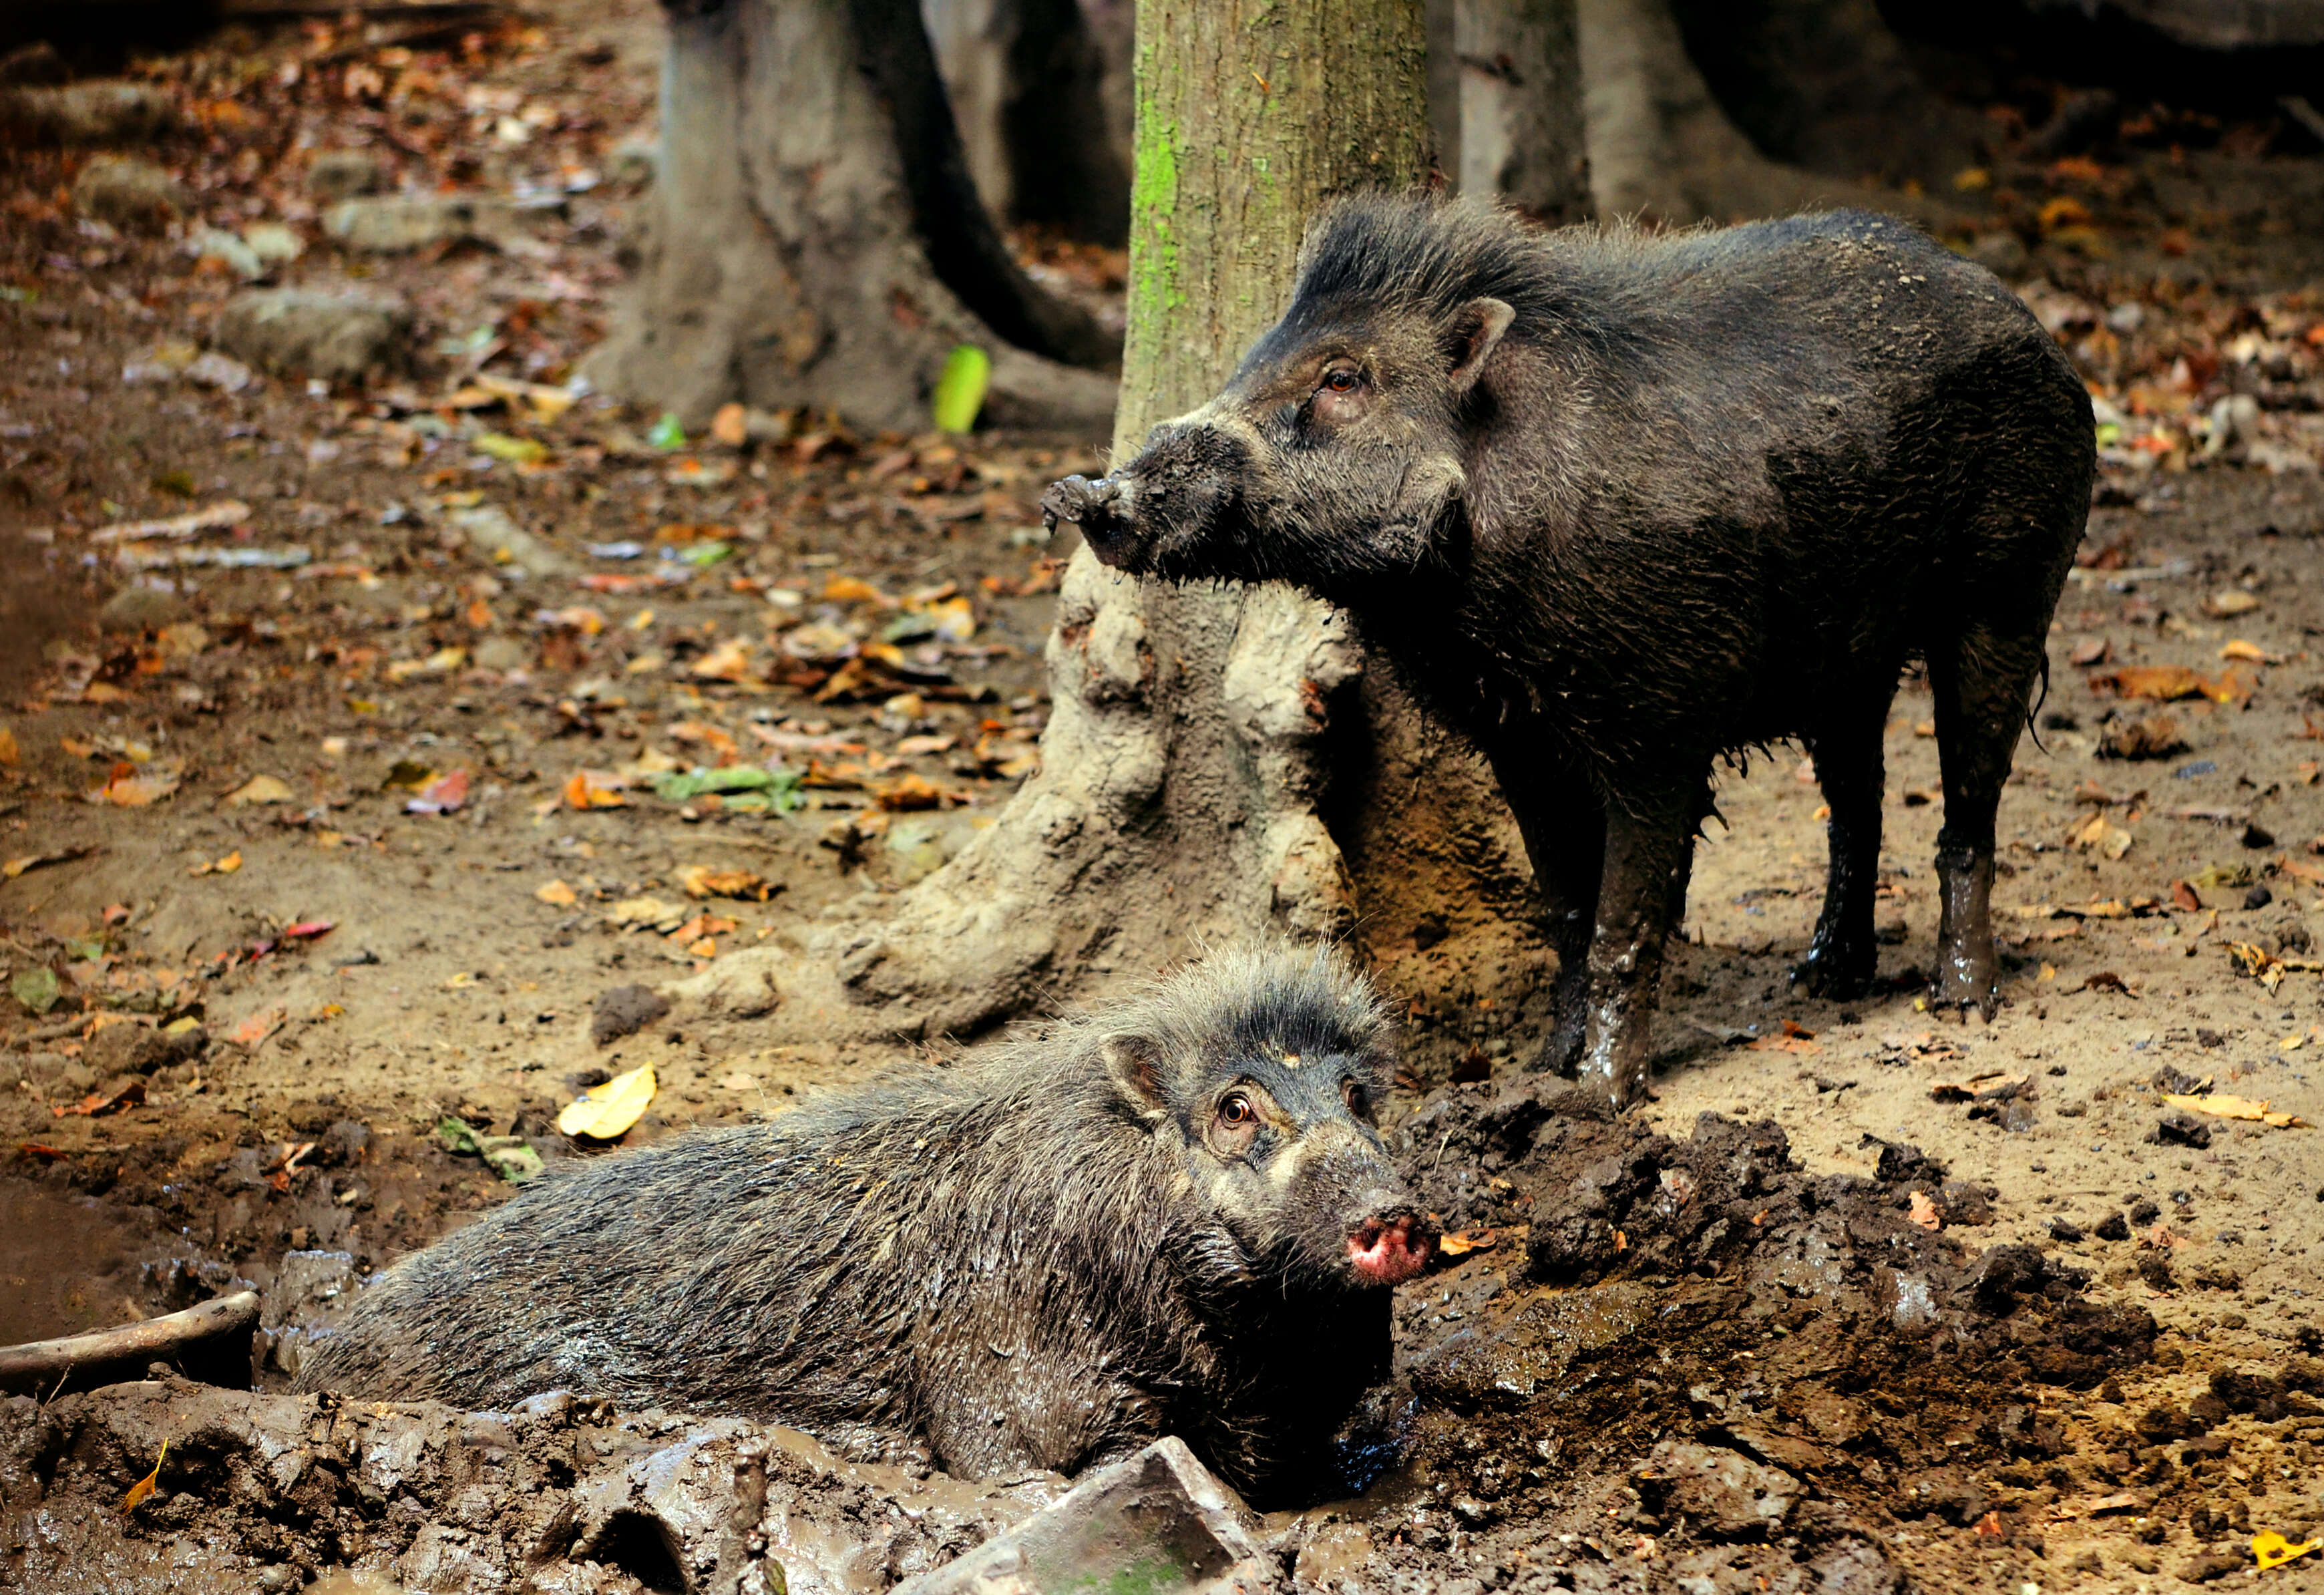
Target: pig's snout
x=1099, y=509
x=1390, y=1251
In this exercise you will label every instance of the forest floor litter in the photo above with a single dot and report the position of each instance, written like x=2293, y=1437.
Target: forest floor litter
x=388, y=732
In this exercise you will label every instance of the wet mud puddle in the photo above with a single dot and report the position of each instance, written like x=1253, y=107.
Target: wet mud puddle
x=69, y=1264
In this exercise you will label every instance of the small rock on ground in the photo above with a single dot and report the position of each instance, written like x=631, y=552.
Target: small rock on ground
x=335, y=175
x=624, y=1011
x=337, y=336
x=127, y=192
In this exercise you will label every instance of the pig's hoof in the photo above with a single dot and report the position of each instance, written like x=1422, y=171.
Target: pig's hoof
x=1964, y=998
x=1835, y=976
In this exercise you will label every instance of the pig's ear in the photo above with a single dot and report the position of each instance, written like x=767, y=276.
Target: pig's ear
x=1134, y=1063
x=1475, y=334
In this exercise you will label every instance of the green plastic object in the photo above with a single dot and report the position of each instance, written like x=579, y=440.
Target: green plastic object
x=960, y=390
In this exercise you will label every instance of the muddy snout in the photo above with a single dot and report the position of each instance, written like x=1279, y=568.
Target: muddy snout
x=1163, y=509
x=1099, y=509
x=1391, y=1248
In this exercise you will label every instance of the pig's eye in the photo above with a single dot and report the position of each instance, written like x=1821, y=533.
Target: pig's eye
x=1342, y=379
x=1359, y=1100
x=1237, y=1109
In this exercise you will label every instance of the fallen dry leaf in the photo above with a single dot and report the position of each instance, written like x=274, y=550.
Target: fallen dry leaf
x=9, y=752
x=729, y=661
x=145, y=1487
x=96, y=1104
x=262, y=788
x=556, y=894
x=2229, y=603
x=209, y=517
x=259, y=1026
x=126, y=789
x=907, y=792
x=2166, y=683
x=645, y=911
x=41, y=861
x=699, y=880
x=1461, y=1242
x=2161, y=1239
x=605, y=1112
x=444, y=795
x=591, y=788
x=224, y=866
x=1924, y=1213
x=2235, y=1106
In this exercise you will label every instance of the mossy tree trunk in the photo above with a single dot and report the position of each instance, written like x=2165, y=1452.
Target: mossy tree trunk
x=1219, y=763
x=818, y=241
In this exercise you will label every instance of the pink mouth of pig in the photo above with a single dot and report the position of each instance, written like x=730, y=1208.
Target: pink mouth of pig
x=1389, y=1252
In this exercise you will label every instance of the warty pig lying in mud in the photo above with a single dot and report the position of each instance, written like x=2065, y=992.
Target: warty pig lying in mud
x=1618, y=503
x=1173, y=1216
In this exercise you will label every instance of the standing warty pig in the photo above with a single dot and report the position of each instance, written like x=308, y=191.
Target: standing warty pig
x=1170, y=1217
x=1616, y=504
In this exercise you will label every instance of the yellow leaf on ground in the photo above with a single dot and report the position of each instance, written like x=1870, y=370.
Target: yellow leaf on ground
x=8, y=753
x=605, y=1112
x=146, y=1485
x=2271, y=1549
x=224, y=866
x=1461, y=1242
x=2240, y=650
x=2235, y=1106
x=262, y=788
x=556, y=894
x=729, y=661
x=645, y=911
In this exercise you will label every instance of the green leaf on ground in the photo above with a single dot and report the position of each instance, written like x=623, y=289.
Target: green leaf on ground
x=36, y=988
x=666, y=433
x=960, y=390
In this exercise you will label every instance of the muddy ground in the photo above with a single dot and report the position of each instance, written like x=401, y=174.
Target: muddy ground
x=1953, y=1306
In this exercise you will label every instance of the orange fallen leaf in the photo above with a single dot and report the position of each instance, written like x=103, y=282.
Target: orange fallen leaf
x=556, y=894
x=259, y=1026
x=702, y=881
x=96, y=1104
x=1924, y=1213
x=2167, y=683
x=1461, y=1242
x=8, y=753
x=2237, y=649
x=591, y=790
x=908, y=791
x=145, y=1487
x=124, y=787
x=1989, y=1527
x=731, y=426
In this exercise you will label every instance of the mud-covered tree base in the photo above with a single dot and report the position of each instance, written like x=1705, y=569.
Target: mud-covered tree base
x=1219, y=763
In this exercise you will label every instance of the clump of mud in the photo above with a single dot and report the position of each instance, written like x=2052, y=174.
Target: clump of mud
x=265, y=1492
x=1692, y=1357
x=1659, y=1361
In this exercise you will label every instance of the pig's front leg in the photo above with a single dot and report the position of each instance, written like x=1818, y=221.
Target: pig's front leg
x=1564, y=829
x=1648, y=849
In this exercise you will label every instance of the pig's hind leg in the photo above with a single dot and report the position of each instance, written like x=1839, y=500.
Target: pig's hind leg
x=1983, y=680
x=1844, y=956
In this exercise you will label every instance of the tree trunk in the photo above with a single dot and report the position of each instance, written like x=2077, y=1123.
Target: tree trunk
x=1662, y=148
x=1521, y=128
x=1827, y=85
x=818, y=242
x=1218, y=763
x=1027, y=79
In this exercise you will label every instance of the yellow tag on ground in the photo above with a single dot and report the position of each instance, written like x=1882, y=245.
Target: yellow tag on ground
x=2271, y=1549
x=605, y=1112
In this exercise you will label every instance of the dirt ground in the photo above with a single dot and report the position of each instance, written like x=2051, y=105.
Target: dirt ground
x=1957, y=1306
